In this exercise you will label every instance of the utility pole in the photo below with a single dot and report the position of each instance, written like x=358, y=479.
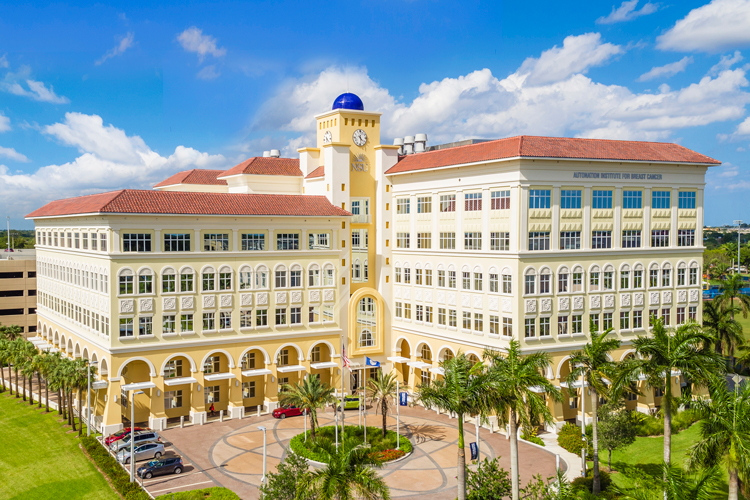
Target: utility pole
x=739, y=225
x=7, y=234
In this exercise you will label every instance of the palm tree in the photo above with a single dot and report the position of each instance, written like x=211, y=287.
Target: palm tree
x=349, y=473
x=28, y=368
x=4, y=358
x=516, y=381
x=718, y=320
x=81, y=383
x=19, y=357
x=678, y=485
x=69, y=377
x=725, y=432
x=310, y=394
x=731, y=296
x=48, y=366
x=687, y=349
x=383, y=390
x=594, y=363
x=462, y=391
x=56, y=380
x=38, y=363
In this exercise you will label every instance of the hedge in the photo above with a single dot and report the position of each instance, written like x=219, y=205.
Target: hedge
x=654, y=426
x=117, y=475
x=570, y=439
x=215, y=493
x=374, y=437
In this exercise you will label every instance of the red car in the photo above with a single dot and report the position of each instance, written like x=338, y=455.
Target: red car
x=121, y=434
x=291, y=411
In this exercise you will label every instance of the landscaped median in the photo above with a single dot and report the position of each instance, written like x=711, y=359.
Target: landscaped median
x=113, y=470
x=215, y=493
x=383, y=448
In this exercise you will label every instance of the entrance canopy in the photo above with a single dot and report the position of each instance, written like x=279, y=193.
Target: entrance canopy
x=180, y=381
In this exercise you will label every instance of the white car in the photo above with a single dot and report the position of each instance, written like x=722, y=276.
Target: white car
x=142, y=452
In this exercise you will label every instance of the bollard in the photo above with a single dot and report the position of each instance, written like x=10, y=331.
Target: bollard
x=259, y=410
x=221, y=415
x=182, y=421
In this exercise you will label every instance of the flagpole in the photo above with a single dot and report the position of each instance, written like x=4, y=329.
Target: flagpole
x=343, y=350
x=398, y=415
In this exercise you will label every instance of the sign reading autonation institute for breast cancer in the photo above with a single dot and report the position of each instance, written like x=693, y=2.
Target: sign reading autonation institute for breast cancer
x=617, y=175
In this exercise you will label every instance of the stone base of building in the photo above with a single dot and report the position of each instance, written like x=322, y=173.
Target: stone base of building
x=236, y=412
x=111, y=429
x=198, y=417
x=271, y=405
x=157, y=423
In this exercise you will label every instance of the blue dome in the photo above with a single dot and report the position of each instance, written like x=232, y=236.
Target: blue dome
x=348, y=101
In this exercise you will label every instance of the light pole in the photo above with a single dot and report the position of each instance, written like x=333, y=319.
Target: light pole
x=263, y=479
x=739, y=225
x=7, y=234
x=88, y=399
x=132, y=435
x=398, y=413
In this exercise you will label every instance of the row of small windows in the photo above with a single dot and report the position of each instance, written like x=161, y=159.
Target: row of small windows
x=219, y=242
x=172, y=324
x=78, y=314
x=499, y=240
x=73, y=239
x=91, y=280
x=211, y=281
x=499, y=200
x=631, y=238
x=602, y=199
x=449, y=279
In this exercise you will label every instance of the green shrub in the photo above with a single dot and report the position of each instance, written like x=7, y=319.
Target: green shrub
x=654, y=426
x=587, y=483
x=530, y=436
x=215, y=493
x=120, y=479
x=488, y=482
x=570, y=439
x=374, y=438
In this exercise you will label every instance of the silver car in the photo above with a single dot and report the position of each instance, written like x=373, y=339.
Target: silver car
x=141, y=437
x=142, y=452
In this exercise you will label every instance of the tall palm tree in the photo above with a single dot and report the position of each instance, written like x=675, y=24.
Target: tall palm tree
x=81, y=370
x=51, y=360
x=57, y=381
x=725, y=432
x=69, y=376
x=28, y=368
x=594, y=363
x=718, y=320
x=678, y=485
x=38, y=363
x=687, y=349
x=311, y=394
x=349, y=474
x=731, y=296
x=382, y=390
x=516, y=381
x=19, y=357
x=5, y=358
x=462, y=391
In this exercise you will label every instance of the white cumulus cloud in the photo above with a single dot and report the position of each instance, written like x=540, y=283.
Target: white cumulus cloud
x=714, y=27
x=627, y=11
x=33, y=89
x=667, y=70
x=110, y=159
x=124, y=44
x=4, y=123
x=12, y=154
x=193, y=40
x=744, y=127
x=726, y=62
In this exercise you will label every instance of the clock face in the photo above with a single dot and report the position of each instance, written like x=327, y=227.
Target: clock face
x=360, y=137
x=327, y=137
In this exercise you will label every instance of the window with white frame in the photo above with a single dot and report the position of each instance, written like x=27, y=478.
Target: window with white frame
x=216, y=242
x=280, y=278
x=145, y=326
x=539, y=198
x=168, y=323
x=424, y=204
x=694, y=274
x=507, y=327
x=494, y=283
x=686, y=237
x=601, y=239
x=186, y=323
x=209, y=321
x=132, y=242
x=472, y=241
x=500, y=200
x=472, y=202
x=253, y=241
x=562, y=325
x=126, y=327
x=686, y=200
x=538, y=240
x=529, y=327
x=403, y=206
x=172, y=399
x=280, y=316
x=601, y=199
x=447, y=241
x=631, y=238
x=212, y=364
x=545, y=280
x=246, y=318
x=208, y=280
x=632, y=200
x=500, y=240
x=467, y=320
x=544, y=326
x=402, y=240
x=570, y=198
x=176, y=242
x=287, y=241
x=660, y=199
x=225, y=320
x=318, y=241
x=507, y=279
x=637, y=319
x=625, y=278
x=424, y=240
x=448, y=203
x=570, y=240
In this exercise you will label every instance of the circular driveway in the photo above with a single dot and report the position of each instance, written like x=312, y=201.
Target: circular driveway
x=429, y=470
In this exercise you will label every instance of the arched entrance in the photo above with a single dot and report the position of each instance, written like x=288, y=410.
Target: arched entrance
x=255, y=377
x=132, y=372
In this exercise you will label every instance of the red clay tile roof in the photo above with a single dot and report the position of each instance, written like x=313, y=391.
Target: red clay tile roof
x=195, y=176
x=318, y=172
x=132, y=201
x=261, y=165
x=551, y=147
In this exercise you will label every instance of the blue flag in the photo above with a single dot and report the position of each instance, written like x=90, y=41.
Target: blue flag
x=474, y=451
x=371, y=362
x=403, y=399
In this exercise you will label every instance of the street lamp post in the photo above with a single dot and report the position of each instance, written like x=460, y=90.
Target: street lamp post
x=263, y=479
x=88, y=399
x=132, y=435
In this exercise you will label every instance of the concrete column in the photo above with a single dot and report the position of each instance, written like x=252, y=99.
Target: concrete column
x=112, y=414
x=699, y=218
x=157, y=419
x=157, y=240
x=197, y=401
x=555, y=236
x=522, y=231
x=646, y=233
x=197, y=243
x=236, y=407
x=586, y=203
x=459, y=220
x=673, y=225
x=486, y=203
x=515, y=210
x=617, y=231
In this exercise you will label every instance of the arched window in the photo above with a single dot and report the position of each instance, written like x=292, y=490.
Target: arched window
x=693, y=273
x=168, y=280
x=426, y=353
x=653, y=275
x=529, y=281
x=625, y=277
x=448, y=355
x=329, y=275
x=608, y=278
x=507, y=280
x=246, y=277
x=367, y=318
x=208, y=279
x=365, y=271
x=126, y=279
x=595, y=279
x=295, y=276
x=225, y=278
x=563, y=277
x=545, y=280
x=666, y=274
x=187, y=279
x=576, y=279
x=366, y=339
x=356, y=271
x=279, y=276
x=313, y=275
x=261, y=277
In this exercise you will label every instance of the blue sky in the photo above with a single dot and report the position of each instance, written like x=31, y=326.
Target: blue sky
x=94, y=98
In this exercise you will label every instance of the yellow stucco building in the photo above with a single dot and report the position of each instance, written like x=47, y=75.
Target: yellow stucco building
x=218, y=286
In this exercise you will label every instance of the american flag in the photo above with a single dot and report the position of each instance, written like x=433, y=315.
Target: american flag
x=344, y=359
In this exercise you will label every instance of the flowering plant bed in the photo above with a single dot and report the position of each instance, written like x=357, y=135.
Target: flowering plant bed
x=383, y=448
x=388, y=455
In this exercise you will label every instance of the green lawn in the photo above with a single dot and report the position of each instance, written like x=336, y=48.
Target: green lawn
x=40, y=460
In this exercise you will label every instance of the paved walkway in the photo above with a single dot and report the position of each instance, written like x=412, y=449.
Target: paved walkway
x=231, y=452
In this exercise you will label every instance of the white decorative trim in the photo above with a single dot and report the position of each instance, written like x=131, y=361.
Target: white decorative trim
x=507, y=304
x=328, y=296
x=578, y=303
x=563, y=304
x=609, y=301
x=530, y=306
x=546, y=305
x=477, y=302
x=493, y=304
x=186, y=303
x=126, y=306
x=595, y=302
x=625, y=299
x=226, y=300
x=281, y=297
x=246, y=299
x=638, y=299
x=695, y=295
x=314, y=296
x=653, y=298
x=296, y=296
x=209, y=301
x=169, y=303
x=262, y=298
x=666, y=297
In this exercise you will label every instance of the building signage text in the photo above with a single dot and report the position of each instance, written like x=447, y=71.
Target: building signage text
x=617, y=175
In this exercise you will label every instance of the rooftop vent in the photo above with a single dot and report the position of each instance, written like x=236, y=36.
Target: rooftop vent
x=275, y=153
x=420, y=143
x=400, y=143
x=266, y=154
x=409, y=145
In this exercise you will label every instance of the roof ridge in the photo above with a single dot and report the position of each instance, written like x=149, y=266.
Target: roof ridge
x=122, y=191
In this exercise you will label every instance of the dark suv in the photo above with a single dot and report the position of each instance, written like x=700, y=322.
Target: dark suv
x=160, y=467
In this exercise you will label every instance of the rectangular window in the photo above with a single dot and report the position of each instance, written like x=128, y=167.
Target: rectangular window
x=660, y=199
x=494, y=325
x=653, y=278
x=85, y=241
x=211, y=394
x=666, y=277
x=608, y=280
x=660, y=238
x=601, y=199
x=428, y=277
x=624, y=280
x=692, y=312
x=665, y=315
x=632, y=200
x=680, y=315
x=145, y=326
x=424, y=240
x=576, y=324
x=686, y=199
x=538, y=241
x=570, y=240
x=472, y=241
x=402, y=206
x=172, y=399
x=126, y=285
x=686, y=237
x=652, y=313
x=103, y=242
x=417, y=276
x=209, y=321
x=261, y=317
x=637, y=278
x=693, y=275
x=494, y=283
x=216, y=242
x=169, y=283
x=508, y=327
x=168, y=323
x=295, y=315
x=544, y=283
x=448, y=203
x=500, y=200
x=295, y=278
x=419, y=312
x=246, y=318
x=478, y=282
x=399, y=310
x=624, y=320
x=570, y=198
x=601, y=239
x=544, y=327
x=402, y=240
x=318, y=241
x=225, y=281
x=94, y=242
x=607, y=321
x=225, y=320
x=407, y=275
x=539, y=198
x=478, y=322
x=681, y=277
x=177, y=242
x=447, y=241
x=529, y=284
x=441, y=279
x=529, y=327
x=472, y=202
x=407, y=311
x=451, y=279
x=287, y=241
x=424, y=205
x=397, y=272
x=126, y=327
x=441, y=316
x=145, y=284
x=253, y=241
x=133, y=242
x=186, y=282
x=248, y=390
x=562, y=282
x=507, y=283
x=466, y=280
x=280, y=279
x=631, y=238
x=467, y=320
x=637, y=319
x=209, y=282
x=500, y=241
x=186, y=323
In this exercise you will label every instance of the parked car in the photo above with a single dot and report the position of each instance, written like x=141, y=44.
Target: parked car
x=142, y=452
x=288, y=411
x=160, y=467
x=350, y=403
x=121, y=434
x=141, y=437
